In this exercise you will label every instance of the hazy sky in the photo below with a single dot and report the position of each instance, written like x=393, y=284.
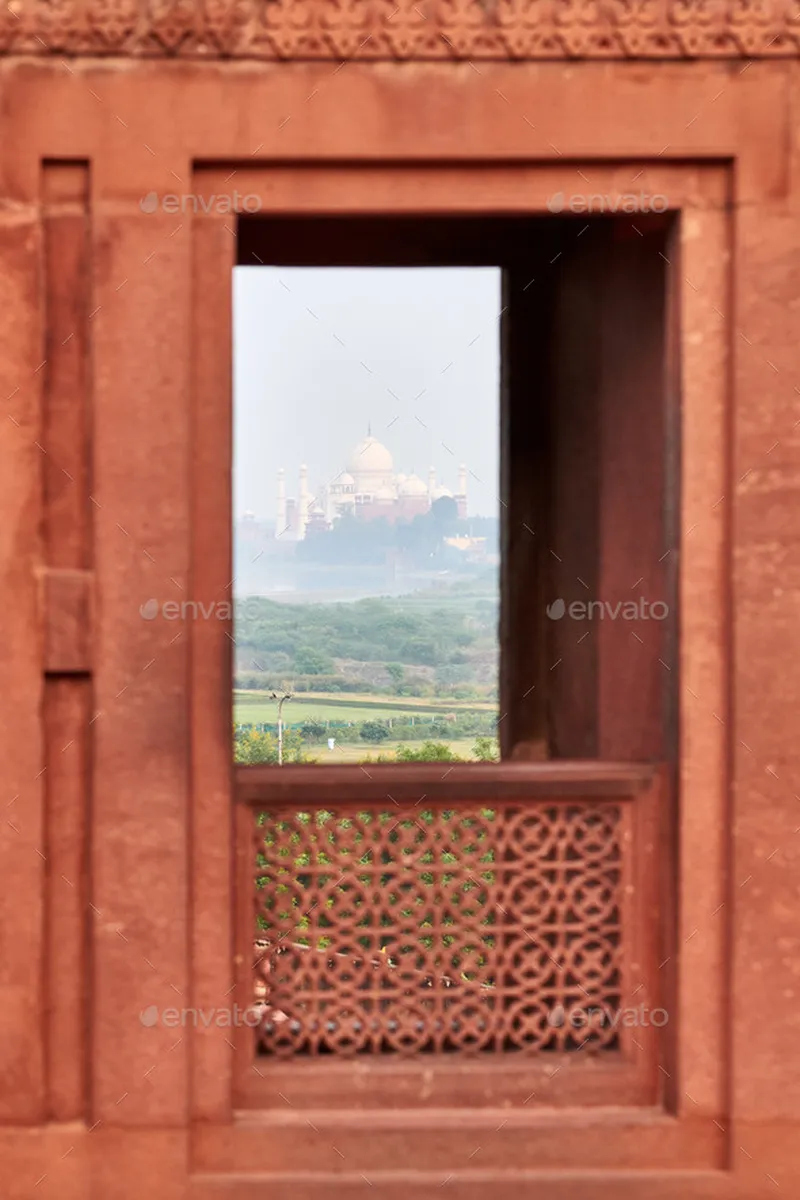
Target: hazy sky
x=320, y=353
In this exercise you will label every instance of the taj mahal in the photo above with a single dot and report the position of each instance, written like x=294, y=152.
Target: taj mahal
x=367, y=488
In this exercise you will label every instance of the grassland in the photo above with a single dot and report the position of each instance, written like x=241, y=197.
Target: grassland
x=359, y=753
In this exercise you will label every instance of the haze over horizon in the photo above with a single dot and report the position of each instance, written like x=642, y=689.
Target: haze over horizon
x=323, y=354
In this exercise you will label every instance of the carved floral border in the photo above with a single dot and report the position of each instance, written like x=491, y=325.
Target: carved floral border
x=403, y=29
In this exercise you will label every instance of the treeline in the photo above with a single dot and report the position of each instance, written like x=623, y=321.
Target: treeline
x=306, y=684
x=252, y=746
x=428, y=726
x=442, y=686
x=420, y=645
x=447, y=683
x=419, y=542
x=310, y=636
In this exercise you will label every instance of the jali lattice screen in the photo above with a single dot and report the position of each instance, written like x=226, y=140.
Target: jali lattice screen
x=464, y=930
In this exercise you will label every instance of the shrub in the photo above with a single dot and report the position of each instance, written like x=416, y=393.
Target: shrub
x=486, y=749
x=429, y=751
x=374, y=731
x=313, y=731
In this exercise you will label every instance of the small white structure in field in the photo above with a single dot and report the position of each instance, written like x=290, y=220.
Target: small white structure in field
x=331, y=743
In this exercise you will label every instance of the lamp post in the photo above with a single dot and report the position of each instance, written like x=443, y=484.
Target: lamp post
x=281, y=701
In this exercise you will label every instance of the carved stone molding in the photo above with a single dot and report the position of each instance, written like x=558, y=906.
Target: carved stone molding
x=403, y=29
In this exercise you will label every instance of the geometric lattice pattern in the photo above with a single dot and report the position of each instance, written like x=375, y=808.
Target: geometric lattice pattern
x=451, y=930
x=403, y=29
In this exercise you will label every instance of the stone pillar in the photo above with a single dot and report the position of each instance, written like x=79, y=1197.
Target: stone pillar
x=461, y=491
x=304, y=503
x=280, y=520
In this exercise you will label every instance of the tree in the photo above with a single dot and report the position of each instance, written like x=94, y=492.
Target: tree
x=374, y=731
x=396, y=672
x=444, y=512
x=420, y=651
x=253, y=746
x=309, y=661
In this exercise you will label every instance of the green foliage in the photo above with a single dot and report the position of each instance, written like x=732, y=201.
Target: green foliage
x=422, y=651
x=486, y=749
x=374, y=731
x=424, y=726
x=424, y=630
x=269, y=681
x=253, y=746
x=313, y=731
x=428, y=752
x=309, y=661
x=396, y=672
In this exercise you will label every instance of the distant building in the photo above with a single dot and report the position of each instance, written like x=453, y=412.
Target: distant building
x=473, y=548
x=366, y=488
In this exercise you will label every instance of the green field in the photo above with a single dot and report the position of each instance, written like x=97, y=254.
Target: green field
x=359, y=753
x=254, y=708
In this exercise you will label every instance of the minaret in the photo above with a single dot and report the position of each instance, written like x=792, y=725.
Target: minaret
x=304, y=502
x=431, y=481
x=280, y=521
x=461, y=493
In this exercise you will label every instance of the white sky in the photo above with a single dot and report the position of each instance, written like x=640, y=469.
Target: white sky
x=320, y=353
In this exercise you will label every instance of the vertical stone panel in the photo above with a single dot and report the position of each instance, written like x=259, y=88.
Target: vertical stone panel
x=523, y=464
x=765, y=888
x=608, y=682
x=573, y=564
x=67, y=479
x=213, y=253
x=140, y=811
x=22, y=853
x=634, y=676
x=701, y=272
x=66, y=432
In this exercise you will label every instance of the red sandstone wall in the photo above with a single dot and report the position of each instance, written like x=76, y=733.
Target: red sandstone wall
x=93, y=1103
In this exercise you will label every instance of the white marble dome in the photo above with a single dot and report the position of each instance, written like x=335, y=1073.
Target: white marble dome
x=370, y=456
x=413, y=486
